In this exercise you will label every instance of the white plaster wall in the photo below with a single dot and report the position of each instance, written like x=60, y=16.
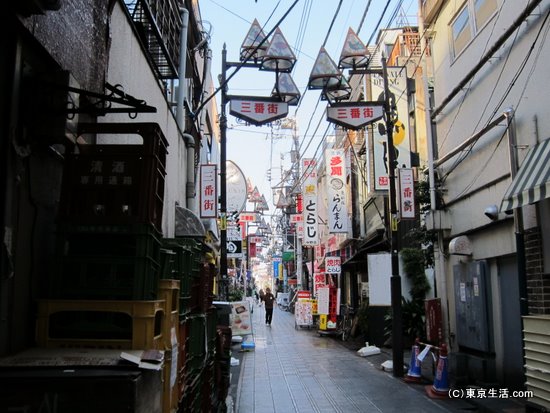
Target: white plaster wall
x=483, y=177
x=466, y=188
x=129, y=68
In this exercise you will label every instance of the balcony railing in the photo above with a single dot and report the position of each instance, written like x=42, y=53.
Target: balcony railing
x=158, y=23
x=407, y=45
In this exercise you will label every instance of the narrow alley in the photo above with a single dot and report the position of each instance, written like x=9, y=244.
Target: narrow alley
x=300, y=371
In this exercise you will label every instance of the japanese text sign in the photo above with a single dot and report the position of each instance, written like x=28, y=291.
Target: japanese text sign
x=311, y=224
x=336, y=191
x=208, y=191
x=257, y=112
x=333, y=265
x=406, y=193
x=355, y=115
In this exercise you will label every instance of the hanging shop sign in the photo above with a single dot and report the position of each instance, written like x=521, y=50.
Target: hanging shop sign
x=406, y=193
x=397, y=77
x=354, y=115
x=248, y=216
x=208, y=191
x=257, y=111
x=277, y=266
x=234, y=249
x=336, y=191
x=295, y=218
x=309, y=191
x=333, y=265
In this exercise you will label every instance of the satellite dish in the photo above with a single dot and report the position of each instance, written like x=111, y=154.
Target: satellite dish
x=236, y=190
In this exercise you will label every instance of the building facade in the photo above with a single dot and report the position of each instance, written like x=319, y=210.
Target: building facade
x=488, y=112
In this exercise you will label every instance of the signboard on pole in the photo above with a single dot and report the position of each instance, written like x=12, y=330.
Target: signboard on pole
x=208, y=191
x=311, y=224
x=234, y=249
x=398, y=95
x=257, y=111
x=406, y=193
x=354, y=115
x=248, y=216
x=336, y=191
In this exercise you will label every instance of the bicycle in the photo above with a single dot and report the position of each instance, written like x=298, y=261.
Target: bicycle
x=346, y=322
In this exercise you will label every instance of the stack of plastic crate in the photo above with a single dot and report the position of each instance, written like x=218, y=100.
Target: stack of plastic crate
x=169, y=294
x=107, y=184
x=111, y=214
x=112, y=262
x=104, y=283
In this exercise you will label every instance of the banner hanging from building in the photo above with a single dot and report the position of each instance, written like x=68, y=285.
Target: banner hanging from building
x=336, y=190
x=208, y=191
x=309, y=191
x=397, y=78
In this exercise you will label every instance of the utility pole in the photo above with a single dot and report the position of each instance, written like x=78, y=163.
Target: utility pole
x=397, y=317
x=223, y=181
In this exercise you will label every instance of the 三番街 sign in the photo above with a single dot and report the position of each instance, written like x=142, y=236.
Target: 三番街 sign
x=354, y=115
x=257, y=111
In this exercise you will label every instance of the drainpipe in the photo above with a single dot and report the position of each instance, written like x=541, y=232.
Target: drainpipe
x=190, y=174
x=180, y=116
x=518, y=214
x=189, y=140
x=439, y=258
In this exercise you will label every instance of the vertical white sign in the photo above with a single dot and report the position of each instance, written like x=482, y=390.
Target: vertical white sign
x=397, y=79
x=323, y=298
x=336, y=191
x=406, y=193
x=208, y=191
x=311, y=224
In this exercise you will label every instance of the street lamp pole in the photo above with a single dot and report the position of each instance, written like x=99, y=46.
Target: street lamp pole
x=397, y=317
x=223, y=181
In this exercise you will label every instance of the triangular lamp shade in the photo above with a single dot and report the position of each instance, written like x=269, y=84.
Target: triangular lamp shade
x=278, y=55
x=253, y=38
x=324, y=73
x=286, y=89
x=354, y=53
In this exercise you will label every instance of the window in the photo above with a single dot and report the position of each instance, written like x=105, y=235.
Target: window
x=469, y=21
x=483, y=10
x=462, y=32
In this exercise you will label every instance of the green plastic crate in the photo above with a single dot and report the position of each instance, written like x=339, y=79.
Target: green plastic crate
x=106, y=278
x=135, y=240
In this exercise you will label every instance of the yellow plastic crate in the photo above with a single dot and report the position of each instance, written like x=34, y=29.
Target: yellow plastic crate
x=170, y=398
x=169, y=291
x=101, y=324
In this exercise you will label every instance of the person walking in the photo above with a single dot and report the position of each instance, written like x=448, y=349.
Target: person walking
x=262, y=295
x=269, y=299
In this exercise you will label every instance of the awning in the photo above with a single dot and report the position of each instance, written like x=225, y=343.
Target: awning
x=532, y=183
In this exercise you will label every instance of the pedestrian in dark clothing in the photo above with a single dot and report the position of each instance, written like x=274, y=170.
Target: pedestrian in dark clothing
x=262, y=295
x=269, y=299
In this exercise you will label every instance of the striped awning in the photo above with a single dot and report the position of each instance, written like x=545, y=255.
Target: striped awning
x=532, y=182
